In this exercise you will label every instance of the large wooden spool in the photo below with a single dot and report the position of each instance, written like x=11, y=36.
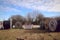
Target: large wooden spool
x=18, y=25
x=52, y=25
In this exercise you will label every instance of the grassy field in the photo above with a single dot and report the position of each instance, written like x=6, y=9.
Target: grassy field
x=13, y=34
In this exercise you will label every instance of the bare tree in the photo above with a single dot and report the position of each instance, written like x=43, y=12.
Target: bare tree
x=39, y=17
x=34, y=16
x=29, y=18
x=17, y=20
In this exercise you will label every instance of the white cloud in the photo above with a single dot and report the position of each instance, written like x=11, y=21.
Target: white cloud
x=8, y=9
x=45, y=5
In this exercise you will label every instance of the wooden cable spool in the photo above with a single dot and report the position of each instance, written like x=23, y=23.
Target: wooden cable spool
x=18, y=25
x=46, y=24
x=52, y=25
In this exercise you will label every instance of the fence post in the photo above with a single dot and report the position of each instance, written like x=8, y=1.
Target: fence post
x=10, y=23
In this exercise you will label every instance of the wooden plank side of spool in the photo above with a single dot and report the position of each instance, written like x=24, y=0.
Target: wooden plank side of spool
x=50, y=24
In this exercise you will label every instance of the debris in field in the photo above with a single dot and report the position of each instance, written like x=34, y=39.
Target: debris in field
x=20, y=39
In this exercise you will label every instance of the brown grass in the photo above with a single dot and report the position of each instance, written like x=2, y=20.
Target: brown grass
x=13, y=34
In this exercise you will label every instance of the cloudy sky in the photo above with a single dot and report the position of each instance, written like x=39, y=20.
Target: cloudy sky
x=48, y=8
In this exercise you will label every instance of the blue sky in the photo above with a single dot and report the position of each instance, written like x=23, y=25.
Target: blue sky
x=48, y=8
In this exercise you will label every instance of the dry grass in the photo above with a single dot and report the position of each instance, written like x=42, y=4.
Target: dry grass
x=13, y=34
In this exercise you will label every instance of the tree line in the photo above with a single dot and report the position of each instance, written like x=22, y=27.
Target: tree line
x=31, y=18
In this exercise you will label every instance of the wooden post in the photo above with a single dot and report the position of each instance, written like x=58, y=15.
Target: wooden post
x=2, y=24
x=10, y=23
